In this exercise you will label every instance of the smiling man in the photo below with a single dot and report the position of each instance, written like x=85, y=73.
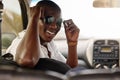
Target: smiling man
x=36, y=41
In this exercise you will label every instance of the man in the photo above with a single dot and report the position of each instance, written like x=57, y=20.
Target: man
x=37, y=40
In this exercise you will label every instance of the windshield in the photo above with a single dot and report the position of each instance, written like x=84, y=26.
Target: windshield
x=92, y=21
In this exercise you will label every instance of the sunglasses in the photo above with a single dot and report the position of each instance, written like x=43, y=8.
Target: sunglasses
x=50, y=19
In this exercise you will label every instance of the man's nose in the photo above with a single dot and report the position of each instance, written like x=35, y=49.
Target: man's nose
x=53, y=26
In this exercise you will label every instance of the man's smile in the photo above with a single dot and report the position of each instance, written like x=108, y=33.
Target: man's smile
x=50, y=32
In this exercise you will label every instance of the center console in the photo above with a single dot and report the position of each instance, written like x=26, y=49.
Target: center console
x=104, y=53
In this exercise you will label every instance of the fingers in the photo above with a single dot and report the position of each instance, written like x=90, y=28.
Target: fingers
x=36, y=12
x=70, y=26
x=67, y=23
x=42, y=12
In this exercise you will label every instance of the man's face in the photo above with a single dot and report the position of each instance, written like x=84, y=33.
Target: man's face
x=51, y=25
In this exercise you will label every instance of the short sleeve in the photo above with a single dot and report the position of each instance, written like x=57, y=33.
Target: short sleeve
x=12, y=48
x=56, y=54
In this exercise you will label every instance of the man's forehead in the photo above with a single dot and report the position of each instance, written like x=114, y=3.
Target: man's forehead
x=55, y=13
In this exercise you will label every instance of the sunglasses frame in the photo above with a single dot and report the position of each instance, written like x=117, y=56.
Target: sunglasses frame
x=50, y=19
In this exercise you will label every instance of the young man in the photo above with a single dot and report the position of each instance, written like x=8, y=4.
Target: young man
x=37, y=40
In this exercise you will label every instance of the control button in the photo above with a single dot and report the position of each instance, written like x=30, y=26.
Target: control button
x=97, y=66
x=116, y=47
x=99, y=42
x=113, y=42
x=105, y=67
x=114, y=66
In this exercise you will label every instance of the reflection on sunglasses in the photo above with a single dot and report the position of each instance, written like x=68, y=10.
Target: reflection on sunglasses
x=51, y=19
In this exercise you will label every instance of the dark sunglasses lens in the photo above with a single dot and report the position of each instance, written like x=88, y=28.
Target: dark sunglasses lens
x=59, y=22
x=51, y=19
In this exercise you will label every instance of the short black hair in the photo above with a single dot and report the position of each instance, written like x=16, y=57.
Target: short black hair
x=48, y=3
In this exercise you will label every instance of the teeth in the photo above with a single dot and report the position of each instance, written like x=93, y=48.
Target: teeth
x=50, y=32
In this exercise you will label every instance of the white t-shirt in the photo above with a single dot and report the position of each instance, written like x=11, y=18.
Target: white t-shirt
x=55, y=54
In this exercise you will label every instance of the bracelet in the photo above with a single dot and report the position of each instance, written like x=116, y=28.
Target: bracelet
x=72, y=43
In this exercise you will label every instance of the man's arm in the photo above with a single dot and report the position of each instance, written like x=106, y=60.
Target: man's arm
x=72, y=34
x=72, y=59
x=27, y=53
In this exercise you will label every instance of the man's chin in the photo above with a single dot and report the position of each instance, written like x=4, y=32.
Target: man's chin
x=49, y=40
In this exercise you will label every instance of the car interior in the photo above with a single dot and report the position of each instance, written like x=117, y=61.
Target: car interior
x=98, y=57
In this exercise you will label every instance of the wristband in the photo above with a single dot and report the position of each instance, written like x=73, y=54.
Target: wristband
x=72, y=43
